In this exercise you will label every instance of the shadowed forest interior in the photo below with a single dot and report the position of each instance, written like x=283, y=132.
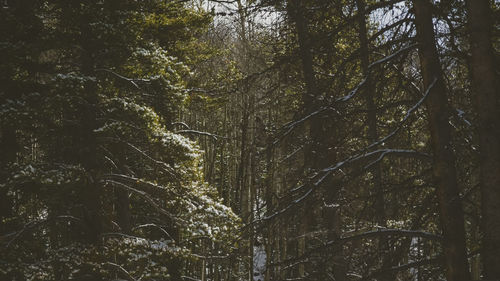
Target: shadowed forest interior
x=249, y=140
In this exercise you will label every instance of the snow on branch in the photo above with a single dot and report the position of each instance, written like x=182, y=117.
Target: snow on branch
x=354, y=91
x=380, y=61
x=289, y=127
x=407, y=116
x=214, y=136
x=388, y=231
x=124, y=272
x=183, y=124
x=389, y=27
x=167, y=168
x=406, y=266
x=366, y=235
x=32, y=225
x=145, y=196
x=155, y=226
x=316, y=180
x=131, y=80
x=391, y=56
x=190, y=278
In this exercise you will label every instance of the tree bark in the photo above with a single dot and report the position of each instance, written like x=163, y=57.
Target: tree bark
x=369, y=92
x=444, y=171
x=318, y=156
x=248, y=157
x=8, y=150
x=486, y=92
x=306, y=219
x=371, y=117
x=87, y=143
x=123, y=210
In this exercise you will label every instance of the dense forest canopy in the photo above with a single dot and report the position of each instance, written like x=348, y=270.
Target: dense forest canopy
x=250, y=140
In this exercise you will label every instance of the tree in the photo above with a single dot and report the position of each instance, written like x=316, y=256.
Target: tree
x=486, y=88
x=343, y=133
x=450, y=205
x=108, y=190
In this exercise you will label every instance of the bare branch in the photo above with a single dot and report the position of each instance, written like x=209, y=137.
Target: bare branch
x=407, y=116
x=124, y=272
x=388, y=231
x=391, y=56
x=316, y=180
x=404, y=267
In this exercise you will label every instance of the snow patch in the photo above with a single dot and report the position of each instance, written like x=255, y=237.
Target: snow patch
x=259, y=263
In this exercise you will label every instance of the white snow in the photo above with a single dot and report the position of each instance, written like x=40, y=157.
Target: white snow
x=259, y=263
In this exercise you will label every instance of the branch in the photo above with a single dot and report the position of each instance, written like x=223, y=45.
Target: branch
x=292, y=125
x=354, y=91
x=389, y=27
x=132, y=81
x=122, y=270
x=199, y=133
x=156, y=226
x=404, y=267
x=391, y=56
x=410, y=111
x=145, y=196
x=389, y=231
x=190, y=278
x=210, y=257
x=34, y=224
x=320, y=177
x=167, y=168
x=368, y=234
x=183, y=124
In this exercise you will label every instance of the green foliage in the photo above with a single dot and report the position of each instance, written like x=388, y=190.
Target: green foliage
x=94, y=99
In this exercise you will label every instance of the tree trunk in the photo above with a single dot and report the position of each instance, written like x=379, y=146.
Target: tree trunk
x=268, y=197
x=371, y=117
x=444, y=171
x=123, y=210
x=369, y=92
x=8, y=150
x=247, y=167
x=87, y=142
x=306, y=219
x=318, y=156
x=486, y=91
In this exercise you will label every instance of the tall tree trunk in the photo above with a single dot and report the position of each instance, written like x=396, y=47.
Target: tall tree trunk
x=122, y=199
x=252, y=182
x=306, y=220
x=486, y=91
x=247, y=168
x=317, y=157
x=87, y=142
x=271, y=230
x=444, y=171
x=369, y=92
x=123, y=210
x=8, y=150
x=371, y=117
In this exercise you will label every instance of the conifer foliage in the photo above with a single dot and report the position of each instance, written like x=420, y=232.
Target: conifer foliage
x=249, y=140
x=96, y=185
